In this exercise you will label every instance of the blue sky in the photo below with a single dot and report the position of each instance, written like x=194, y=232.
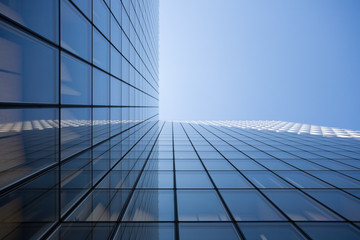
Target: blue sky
x=289, y=60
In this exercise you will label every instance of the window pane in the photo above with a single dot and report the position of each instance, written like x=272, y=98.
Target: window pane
x=302, y=180
x=246, y=165
x=83, y=231
x=249, y=205
x=100, y=205
x=100, y=124
x=339, y=201
x=29, y=211
x=75, y=31
x=217, y=165
x=101, y=17
x=84, y=6
x=40, y=16
x=75, y=130
x=156, y=179
x=75, y=81
x=159, y=165
x=150, y=205
x=264, y=179
x=22, y=59
x=229, y=179
x=101, y=51
x=192, y=179
x=200, y=205
x=75, y=180
x=276, y=165
x=29, y=141
x=101, y=88
x=270, y=231
x=336, y=179
x=148, y=231
x=305, y=165
x=188, y=165
x=299, y=207
x=208, y=231
x=330, y=231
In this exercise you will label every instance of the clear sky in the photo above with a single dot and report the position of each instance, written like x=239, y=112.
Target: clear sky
x=289, y=60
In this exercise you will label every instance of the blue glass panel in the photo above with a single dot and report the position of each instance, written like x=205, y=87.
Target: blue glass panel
x=192, y=179
x=229, y=179
x=342, y=203
x=23, y=58
x=75, y=81
x=75, y=31
x=150, y=205
x=84, y=6
x=336, y=179
x=156, y=179
x=148, y=231
x=101, y=16
x=41, y=16
x=265, y=179
x=191, y=206
x=299, y=207
x=100, y=205
x=209, y=231
x=29, y=141
x=330, y=231
x=302, y=180
x=188, y=165
x=101, y=51
x=270, y=231
x=249, y=205
x=75, y=130
x=101, y=88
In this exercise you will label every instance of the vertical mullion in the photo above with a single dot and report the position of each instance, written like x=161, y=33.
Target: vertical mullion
x=175, y=189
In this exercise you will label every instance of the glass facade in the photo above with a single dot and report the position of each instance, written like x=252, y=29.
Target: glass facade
x=83, y=155
x=78, y=113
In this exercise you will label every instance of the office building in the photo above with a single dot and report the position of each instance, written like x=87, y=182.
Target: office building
x=78, y=91
x=83, y=155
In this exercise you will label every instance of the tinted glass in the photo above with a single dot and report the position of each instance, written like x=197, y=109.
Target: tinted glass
x=249, y=205
x=75, y=130
x=342, y=203
x=211, y=231
x=150, y=231
x=101, y=51
x=75, y=81
x=150, y=205
x=330, y=231
x=22, y=59
x=299, y=207
x=75, y=31
x=40, y=16
x=191, y=206
x=101, y=87
x=28, y=142
x=270, y=231
x=264, y=179
x=192, y=179
x=229, y=179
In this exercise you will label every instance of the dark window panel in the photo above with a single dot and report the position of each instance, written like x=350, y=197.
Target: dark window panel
x=25, y=64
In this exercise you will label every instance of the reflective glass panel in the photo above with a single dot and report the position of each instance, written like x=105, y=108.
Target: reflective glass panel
x=191, y=206
x=22, y=59
x=150, y=205
x=249, y=205
x=300, y=207
x=75, y=31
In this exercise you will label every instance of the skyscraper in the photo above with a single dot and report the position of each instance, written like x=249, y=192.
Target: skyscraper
x=78, y=92
x=83, y=155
